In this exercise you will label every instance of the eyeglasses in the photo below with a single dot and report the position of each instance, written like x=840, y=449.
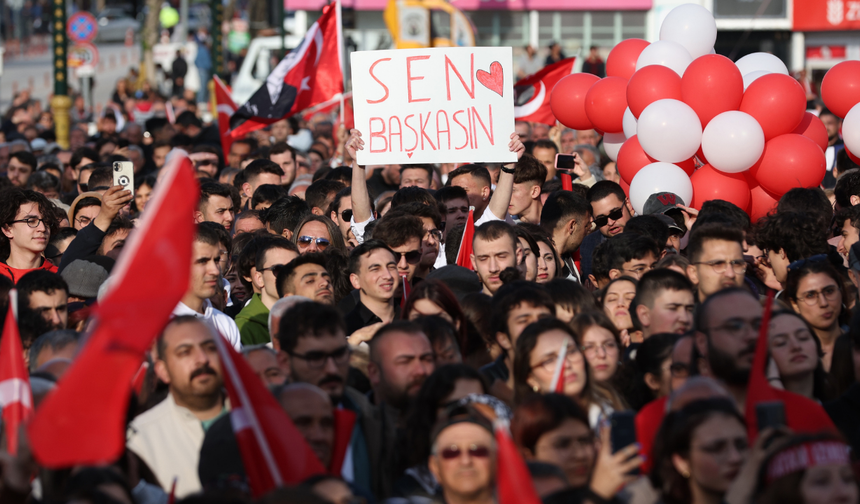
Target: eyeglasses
x=33, y=222
x=607, y=346
x=735, y=327
x=739, y=266
x=322, y=243
x=548, y=364
x=475, y=451
x=318, y=358
x=614, y=215
x=83, y=220
x=412, y=257
x=679, y=370
x=435, y=233
x=275, y=269
x=810, y=298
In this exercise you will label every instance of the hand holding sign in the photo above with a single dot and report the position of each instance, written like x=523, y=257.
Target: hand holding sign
x=516, y=145
x=436, y=105
x=354, y=143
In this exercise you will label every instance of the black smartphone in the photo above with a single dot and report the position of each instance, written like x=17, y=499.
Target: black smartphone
x=623, y=431
x=565, y=161
x=770, y=414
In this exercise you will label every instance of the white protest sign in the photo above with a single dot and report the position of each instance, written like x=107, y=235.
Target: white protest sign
x=438, y=105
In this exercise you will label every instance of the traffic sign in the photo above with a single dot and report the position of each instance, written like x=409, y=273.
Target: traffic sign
x=82, y=27
x=83, y=53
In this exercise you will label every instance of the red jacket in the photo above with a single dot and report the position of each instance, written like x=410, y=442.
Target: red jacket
x=15, y=274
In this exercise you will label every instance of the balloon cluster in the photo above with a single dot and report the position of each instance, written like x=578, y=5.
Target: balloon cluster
x=676, y=117
x=840, y=91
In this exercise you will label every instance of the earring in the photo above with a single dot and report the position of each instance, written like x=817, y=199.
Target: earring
x=685, y=474
x=536, y=388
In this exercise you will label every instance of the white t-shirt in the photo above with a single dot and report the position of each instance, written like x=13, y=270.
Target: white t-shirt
x=223, y=323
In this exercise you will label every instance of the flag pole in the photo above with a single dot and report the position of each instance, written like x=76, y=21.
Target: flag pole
x=341, y=55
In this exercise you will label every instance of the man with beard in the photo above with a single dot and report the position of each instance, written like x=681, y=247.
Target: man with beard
x=168, y=437
x=46, y=294
x=727, y=327
x=313, y=350
x=401, y=358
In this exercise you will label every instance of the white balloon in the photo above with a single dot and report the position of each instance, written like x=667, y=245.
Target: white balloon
x=629, y=122
x=761, y=61
x=666, y=53
x=733, y=141
x=693, y=27
x=669, y=131
x=612, y=144
x=659, y=177
x=752, y=76
x=851, y=129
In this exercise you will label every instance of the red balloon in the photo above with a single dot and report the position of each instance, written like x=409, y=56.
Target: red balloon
x=621, y=61
x=625, y=186
x=840, y=88
x=761, y=203
x=711, y=85
x=710, y=184
x=852, y=156
x=631, y=159
x=688, y=166
x=605, y=104
x=567, y=100
x=789, y=161
x=777, y=102
x=649, y=84
x=812, y=127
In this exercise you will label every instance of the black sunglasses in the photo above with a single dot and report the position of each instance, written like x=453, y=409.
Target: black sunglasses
x=412, y=257
x=346, y=215
x=614, y=215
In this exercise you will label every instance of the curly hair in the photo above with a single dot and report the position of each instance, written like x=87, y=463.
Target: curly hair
x=796, y=233
x=13, y=198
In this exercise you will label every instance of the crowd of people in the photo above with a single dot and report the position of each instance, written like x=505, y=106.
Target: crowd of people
x=350, y=288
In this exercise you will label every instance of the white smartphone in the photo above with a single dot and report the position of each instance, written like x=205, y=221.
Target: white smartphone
x=123, y=174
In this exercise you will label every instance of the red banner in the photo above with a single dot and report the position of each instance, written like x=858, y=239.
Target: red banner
x=820, y=15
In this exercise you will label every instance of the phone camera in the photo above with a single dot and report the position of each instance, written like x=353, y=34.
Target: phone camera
x=123, y=180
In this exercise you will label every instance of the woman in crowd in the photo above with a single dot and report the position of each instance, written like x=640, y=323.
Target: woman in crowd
x=698, y=452
x=788, y=475
x=815, y=291
x=796, y=353
x=615, y=301
x=570, y=298
x=651, y=371
x=599, y=341
x=433, y=297
x=535, y=366
x=445, y=386
x=316, y=233
x=548, y=262
x=443, y=339
x=142, y=192
x=553, y=428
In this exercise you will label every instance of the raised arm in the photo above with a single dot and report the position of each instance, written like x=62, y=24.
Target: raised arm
x=360, y=196
x=504, y=189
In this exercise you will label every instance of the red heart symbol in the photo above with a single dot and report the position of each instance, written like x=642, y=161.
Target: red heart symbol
x=493, y=80
x=409, y=155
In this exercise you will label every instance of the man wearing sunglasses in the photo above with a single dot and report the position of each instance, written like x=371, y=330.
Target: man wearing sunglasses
x=463, y=459
x=340, y=212
x=253, y=321
x=403, y=234
x=611, y=210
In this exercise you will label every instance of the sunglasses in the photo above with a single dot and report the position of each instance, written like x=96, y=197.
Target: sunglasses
x=475, y=451
x=614, y=215
x=412, y=257
x=346, y=215
x=322, y=243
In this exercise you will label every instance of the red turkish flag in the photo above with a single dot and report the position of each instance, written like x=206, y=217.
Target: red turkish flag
x=224, y=110
x=802, y=415
x=464, y=255
x=16, y=400
x=82, y=422
x=309, y=74
x=273, y=450
x=513, y=481
x=535, y=107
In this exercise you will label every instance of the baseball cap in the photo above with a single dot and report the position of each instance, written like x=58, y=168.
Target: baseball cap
x=672, y=223
x=661, y=203
x=38, y=144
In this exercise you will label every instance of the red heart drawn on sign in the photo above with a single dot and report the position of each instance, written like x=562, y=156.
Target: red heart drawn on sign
x=493, y=80
x=409, y=155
